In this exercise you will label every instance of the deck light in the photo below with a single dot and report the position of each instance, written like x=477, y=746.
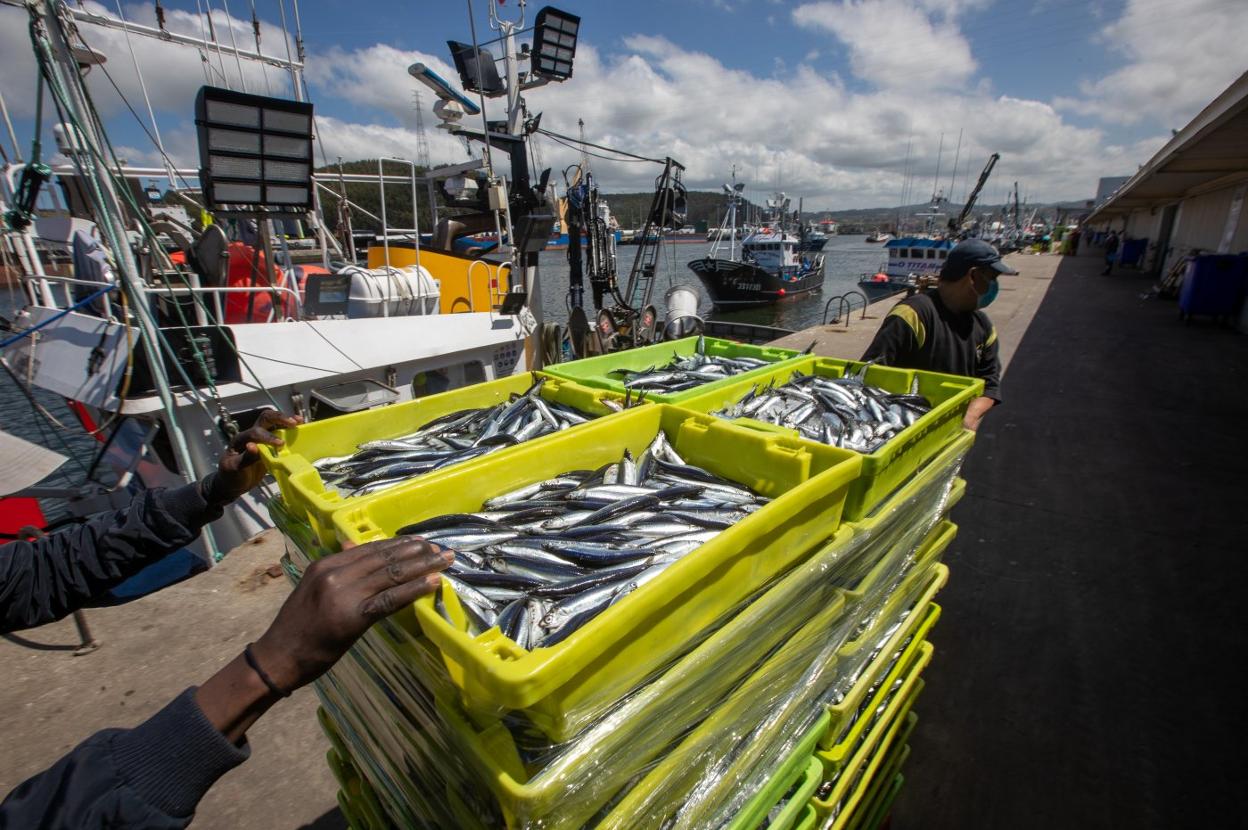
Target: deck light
x=554, y=44
x=255, y=153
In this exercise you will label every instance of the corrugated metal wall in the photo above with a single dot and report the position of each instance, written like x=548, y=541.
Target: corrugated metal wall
x=1202, y=219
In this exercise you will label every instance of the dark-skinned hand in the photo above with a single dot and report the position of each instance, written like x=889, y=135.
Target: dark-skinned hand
x=239, y=469
x=338, y=598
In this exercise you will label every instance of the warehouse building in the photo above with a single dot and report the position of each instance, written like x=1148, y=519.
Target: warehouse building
x=1189, y=197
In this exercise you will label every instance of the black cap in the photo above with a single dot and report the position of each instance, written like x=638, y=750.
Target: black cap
x=970, y=253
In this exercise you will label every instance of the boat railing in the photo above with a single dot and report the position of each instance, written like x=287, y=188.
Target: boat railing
x=213, y=293
x=845, y=305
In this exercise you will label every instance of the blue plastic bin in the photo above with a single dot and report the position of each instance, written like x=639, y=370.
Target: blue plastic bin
x=1214, y=284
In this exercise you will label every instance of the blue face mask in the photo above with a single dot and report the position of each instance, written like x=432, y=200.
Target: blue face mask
x=988, y=296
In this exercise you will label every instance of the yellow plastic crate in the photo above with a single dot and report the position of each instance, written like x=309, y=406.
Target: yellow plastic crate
x=720, y=733
x=884, y=470
x=807, y=819
x=621, y=646
x=862, y=765
x=886, y=803
x=649, y=723
x=847, y=727
x=929, y=582
x=306, y=497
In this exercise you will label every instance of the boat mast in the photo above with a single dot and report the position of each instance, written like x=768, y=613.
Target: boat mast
x=60, y=68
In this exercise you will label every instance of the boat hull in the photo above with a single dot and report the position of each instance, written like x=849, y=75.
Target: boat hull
x=742, y=285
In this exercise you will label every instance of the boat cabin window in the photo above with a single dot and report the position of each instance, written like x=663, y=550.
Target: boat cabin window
x=943, y=253
x=931, y=253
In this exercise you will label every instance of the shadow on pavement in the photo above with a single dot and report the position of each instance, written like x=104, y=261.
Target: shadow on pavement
x=1086, y=670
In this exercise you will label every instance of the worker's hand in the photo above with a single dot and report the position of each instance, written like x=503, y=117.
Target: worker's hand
x=338, y=598
x=976, y=411
x=240, y=468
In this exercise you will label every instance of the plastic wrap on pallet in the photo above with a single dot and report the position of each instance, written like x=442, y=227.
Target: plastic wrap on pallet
x=689, y=747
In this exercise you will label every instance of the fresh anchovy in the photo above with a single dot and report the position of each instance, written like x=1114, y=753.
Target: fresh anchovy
x=844, y=412
x=543, y=560
x=687, y=372
x=450, y=439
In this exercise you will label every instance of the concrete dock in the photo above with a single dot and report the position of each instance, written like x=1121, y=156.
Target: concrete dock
x=1085, y=671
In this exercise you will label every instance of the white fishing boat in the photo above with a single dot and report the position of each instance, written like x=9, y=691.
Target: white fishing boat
x=166, y=335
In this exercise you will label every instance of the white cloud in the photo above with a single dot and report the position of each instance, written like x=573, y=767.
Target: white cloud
x=834, y=145
x=1177, y=60
x=894, y=43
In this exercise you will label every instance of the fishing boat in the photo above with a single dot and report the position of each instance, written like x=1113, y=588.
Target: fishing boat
x=168, y=337
x=770, y=267
x=909, y=258
x=879, y=236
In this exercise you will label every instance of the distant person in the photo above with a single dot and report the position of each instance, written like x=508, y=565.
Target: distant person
x=945, y=330
x=154, y=775
x=1111, y=249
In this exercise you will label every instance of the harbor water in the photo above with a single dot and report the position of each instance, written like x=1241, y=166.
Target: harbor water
x=846, y=259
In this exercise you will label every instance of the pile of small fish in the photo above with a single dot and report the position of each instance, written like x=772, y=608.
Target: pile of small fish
x=541, y=561
x=687, y=372
x=458, y=436
x=844, y=412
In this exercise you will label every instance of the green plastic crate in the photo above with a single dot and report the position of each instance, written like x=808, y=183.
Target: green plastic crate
x=596, y=371
x=305, y=494
x=886, y=469
x=807, y=819
x=802, y=783
x=617, y=649
x=886, y=803
x=874, y=805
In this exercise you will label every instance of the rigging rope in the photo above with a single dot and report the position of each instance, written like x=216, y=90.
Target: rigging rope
x=579, y=141
x=146, y=100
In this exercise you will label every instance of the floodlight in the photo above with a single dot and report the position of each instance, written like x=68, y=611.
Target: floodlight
x=554, y=44
x=255, y=153
x=477, y=72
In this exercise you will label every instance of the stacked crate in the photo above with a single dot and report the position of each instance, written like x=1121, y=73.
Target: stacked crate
x=766, y=679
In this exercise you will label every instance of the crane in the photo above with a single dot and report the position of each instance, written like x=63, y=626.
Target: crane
x=956, y=224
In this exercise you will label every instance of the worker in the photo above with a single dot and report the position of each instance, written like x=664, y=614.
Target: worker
x=154, y=774
x=944, y=328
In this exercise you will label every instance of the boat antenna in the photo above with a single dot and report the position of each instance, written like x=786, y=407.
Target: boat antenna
x=940, y=151
x=957, y=154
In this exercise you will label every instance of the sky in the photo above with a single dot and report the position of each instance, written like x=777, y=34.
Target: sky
x=822, y=98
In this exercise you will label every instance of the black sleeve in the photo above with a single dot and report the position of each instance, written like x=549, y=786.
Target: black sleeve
x=893, y=342
x=52, y=577
x=151, y=776
x=988, y=367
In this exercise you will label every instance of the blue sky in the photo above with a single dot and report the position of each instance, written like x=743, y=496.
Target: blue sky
x=824, y=95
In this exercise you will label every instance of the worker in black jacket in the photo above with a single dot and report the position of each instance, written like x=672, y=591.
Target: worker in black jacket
x=945, y=330
x=154, y=774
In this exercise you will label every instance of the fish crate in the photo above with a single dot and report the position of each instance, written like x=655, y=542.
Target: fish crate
x=614, y=651
x=853, y=778
x=892, y=658
x=807, y=819
x=744, y=728
x=794, y=785
x=880, y=794
x=880, y=815
x=890, y=466
x=643, y=727
x=596, y=371
x=849, y=725
x=310, y=500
